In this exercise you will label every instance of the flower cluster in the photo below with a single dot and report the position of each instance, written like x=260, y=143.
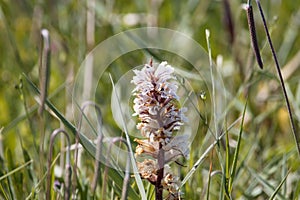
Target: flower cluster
x=155, y=102
x=157, y=106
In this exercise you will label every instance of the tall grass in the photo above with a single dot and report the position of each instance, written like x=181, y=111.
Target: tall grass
x=251, y=154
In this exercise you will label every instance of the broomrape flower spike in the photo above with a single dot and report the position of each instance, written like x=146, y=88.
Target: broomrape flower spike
x=156, y=102
x=157, y=106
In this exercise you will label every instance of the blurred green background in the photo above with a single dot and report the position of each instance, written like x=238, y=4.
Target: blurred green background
x=267, y=142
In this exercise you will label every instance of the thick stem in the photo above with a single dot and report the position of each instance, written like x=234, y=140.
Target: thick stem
x=160, y=173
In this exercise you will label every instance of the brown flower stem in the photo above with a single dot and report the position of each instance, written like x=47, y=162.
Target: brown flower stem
x=160, y=173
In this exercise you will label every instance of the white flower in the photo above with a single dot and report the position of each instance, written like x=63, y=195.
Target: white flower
x=157, y=107
x=156, y=102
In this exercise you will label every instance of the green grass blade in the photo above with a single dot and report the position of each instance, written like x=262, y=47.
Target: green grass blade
x=27, y=159
x=207, y=33
x=10, y=166
x=237, y=150
x=15, y=170
x=278, y=187
x=3, y=192
x=227, y=162
x=209, y=181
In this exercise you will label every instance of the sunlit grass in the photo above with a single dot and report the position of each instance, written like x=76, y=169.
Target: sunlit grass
x=250, y=155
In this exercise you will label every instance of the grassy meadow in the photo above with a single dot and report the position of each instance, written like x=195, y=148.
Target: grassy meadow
x=242, y=145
